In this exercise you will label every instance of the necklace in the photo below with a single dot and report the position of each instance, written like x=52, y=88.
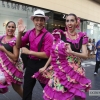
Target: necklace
x=69, y=35
x=5, y=40
x=76, y=45
x=72, y=34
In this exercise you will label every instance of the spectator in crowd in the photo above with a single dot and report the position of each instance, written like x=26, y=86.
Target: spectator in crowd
x=97, y=58
x=89, y=46
x=93, y=47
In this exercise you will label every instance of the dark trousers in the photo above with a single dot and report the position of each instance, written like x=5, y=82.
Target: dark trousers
x=24, y=59
x=97, y=66
x=29, y=82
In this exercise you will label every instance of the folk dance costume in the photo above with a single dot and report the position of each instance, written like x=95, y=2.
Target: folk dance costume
x=65, y=78
x=9, y=72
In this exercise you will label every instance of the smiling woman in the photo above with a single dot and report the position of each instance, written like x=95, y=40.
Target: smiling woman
x=65, y=78
x=10, y=69
x=10, y=28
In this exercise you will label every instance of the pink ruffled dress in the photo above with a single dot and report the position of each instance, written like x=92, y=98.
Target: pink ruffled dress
x=65, y=78
x=9, y=72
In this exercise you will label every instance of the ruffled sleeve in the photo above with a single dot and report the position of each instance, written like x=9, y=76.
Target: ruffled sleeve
x=85, y=38
x=12, y=42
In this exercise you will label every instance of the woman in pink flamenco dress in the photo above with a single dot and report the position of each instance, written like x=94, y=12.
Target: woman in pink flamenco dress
x=65, y=78
x=11, y=67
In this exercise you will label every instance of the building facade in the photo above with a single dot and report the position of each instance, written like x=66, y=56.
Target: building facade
x=87, y=10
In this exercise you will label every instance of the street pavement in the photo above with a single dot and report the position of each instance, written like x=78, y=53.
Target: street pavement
x=89, y=66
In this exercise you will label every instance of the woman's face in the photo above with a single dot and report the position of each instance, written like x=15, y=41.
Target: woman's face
x=10, y=29
x=71, y=23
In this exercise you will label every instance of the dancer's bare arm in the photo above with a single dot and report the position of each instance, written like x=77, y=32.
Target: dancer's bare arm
x=14, y=56
x=21, y=28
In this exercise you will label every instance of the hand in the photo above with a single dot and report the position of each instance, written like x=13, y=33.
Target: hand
x=2, y=48
x=68, y=47
x=42, y=69
x=21, y=26
x=25, y=50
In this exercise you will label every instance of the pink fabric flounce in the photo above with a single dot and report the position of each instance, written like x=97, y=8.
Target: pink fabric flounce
x=10, y=69
x=3, y=89
x=50, y=94
x=40, y=77
x=45, y=76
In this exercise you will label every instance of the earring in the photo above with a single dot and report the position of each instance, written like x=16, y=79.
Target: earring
x=78, y=23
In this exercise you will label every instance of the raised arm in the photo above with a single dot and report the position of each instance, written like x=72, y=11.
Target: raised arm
x=21, y=28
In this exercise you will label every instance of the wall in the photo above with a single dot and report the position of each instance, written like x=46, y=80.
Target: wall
x=9, y=14
x=86, y=9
